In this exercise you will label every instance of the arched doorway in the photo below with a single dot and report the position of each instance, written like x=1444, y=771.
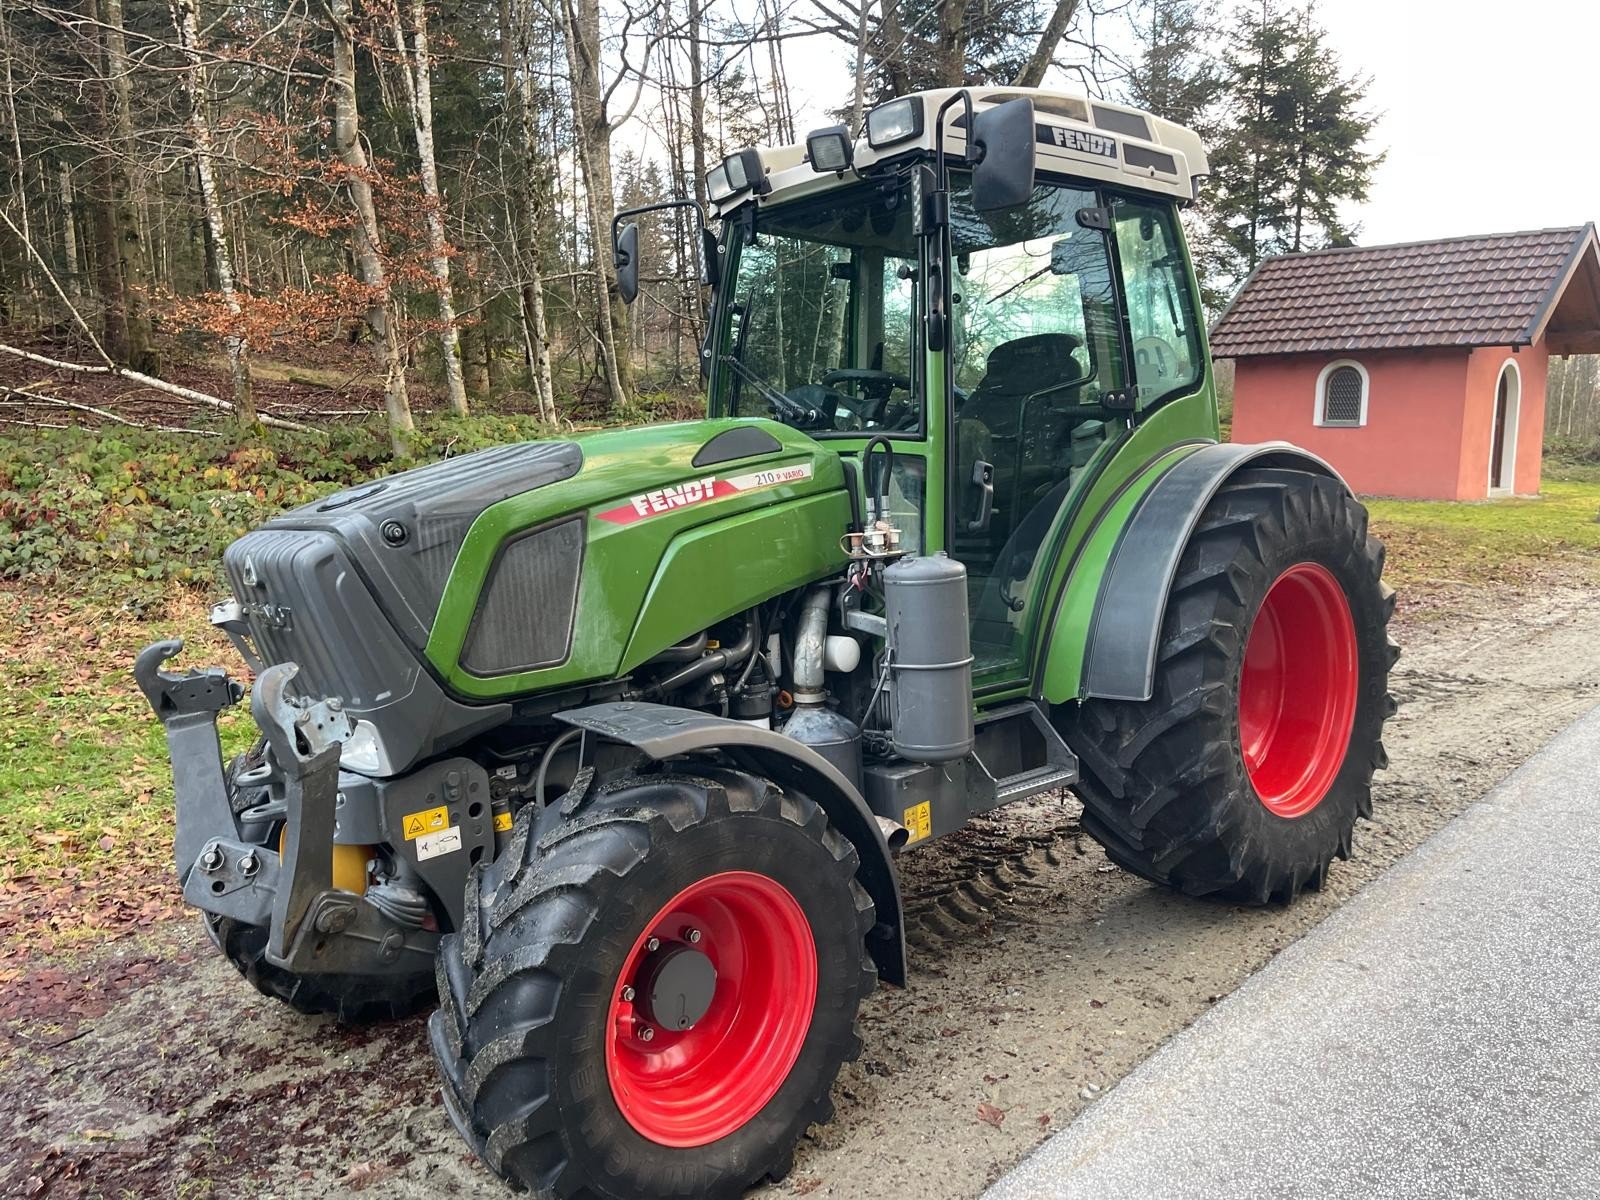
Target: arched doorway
x=1503, y=435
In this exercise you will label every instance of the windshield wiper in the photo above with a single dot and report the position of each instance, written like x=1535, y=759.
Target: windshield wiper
x=781, y=404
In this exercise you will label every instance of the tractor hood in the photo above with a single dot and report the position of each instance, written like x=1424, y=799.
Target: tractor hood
x=527, y=567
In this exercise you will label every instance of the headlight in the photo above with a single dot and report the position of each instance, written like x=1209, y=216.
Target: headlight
x=829, y=149
x=717, y=185
x=363, y=751
x=894, y=122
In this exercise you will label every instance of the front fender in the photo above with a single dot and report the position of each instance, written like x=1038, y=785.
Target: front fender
x=662, y=731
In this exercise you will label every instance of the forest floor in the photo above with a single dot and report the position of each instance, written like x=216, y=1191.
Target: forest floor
x=133, y=1062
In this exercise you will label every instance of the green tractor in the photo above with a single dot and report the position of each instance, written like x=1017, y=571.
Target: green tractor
x=608, y=745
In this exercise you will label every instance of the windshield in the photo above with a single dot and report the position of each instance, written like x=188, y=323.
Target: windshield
x=820, y=315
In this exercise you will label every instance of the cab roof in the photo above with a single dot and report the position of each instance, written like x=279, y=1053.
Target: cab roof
x=1074, y=135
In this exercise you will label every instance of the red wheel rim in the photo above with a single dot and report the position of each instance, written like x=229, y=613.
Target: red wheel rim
x=1297, y=692
x=692, y=1086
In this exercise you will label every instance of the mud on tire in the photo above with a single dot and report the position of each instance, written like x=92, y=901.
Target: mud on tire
x=1165, y=784
x=528, y=987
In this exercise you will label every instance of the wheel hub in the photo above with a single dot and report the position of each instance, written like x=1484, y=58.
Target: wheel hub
x=676, y=986
x=1297, y=690
x=711, y=1009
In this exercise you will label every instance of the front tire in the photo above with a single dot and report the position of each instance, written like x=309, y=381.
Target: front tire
x=349, y=999
x=1245, y=772
x=654, y=988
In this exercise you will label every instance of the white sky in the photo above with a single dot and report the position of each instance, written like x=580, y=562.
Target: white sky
x=1490, y=111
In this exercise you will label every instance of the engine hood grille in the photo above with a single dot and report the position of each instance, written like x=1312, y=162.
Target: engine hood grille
x=402, y=532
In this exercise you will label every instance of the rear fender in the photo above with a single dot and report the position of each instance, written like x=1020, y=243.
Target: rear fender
x=1125, y=631
x=661, y=731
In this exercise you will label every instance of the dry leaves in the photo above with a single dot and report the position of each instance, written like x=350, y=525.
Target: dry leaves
x=990, y=1115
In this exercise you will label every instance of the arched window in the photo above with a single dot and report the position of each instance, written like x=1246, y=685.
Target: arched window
x=1342, y=394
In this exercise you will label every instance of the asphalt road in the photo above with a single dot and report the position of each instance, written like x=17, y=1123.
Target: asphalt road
x=1439, y=1036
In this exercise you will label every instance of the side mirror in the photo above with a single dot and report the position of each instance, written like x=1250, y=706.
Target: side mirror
x=625, y=255
x=1003, y=146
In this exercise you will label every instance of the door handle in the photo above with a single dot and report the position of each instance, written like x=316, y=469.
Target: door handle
x=983, y=479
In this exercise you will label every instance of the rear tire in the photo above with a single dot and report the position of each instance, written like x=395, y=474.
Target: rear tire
x=538, y=1030
x=1244, y=774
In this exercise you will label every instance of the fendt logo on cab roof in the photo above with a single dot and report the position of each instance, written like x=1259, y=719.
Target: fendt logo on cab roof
x=1078, y=141
x=698, y=491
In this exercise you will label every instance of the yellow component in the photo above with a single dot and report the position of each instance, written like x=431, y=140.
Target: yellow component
x=349, y=864
x=918, y=820
x=430, y=820
x=502, y=822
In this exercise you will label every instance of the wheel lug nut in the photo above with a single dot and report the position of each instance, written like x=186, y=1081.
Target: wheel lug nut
x=628, y=993
x=646, y=1034
x=653, y=944
x=692, y=936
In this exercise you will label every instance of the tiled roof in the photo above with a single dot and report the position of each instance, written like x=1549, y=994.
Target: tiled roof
x=1472, y=291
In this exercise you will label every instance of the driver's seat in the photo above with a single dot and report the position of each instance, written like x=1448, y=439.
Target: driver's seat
x=1014, y=371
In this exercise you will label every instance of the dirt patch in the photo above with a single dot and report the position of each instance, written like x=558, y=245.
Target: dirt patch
x=1040, y=976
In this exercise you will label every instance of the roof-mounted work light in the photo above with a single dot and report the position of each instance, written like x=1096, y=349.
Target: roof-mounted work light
x=829, y=149
x=717, y=185
x=897, y=121
x=746, y=172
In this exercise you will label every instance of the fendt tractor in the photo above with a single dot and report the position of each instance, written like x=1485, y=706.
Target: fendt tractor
x=607, y=745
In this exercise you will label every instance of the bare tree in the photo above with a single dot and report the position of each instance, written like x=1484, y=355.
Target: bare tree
x=368, y=238
x=186, y=21
x=417, y=71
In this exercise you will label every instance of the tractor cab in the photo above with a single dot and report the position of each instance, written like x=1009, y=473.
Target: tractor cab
x=1005, y=310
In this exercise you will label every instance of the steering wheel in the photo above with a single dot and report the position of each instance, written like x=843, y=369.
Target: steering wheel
x=874, y=385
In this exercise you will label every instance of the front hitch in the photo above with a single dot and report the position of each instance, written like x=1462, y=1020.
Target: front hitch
x=312, y=925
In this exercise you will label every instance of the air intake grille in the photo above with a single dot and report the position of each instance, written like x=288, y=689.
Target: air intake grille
x=524, y=617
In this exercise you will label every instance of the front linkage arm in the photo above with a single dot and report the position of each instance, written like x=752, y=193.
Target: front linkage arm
x=187, y=705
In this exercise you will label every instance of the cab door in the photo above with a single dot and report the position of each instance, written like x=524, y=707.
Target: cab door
x=1040, y=377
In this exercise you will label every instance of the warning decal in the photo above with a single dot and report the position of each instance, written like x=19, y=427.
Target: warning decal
x=502, y=822
x=918, y=820
x=428, y=821
x=698, y=491
x=431, y=845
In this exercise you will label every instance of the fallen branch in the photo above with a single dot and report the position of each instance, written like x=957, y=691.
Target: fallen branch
x=149, y=381
x=37, y=398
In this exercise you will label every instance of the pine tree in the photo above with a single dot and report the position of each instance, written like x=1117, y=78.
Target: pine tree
x=1290, y=144
x=1173, y=73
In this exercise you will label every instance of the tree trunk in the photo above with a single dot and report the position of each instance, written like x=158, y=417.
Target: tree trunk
x=592, y=127
x=186, y=21
x=417, y=71
x=20, y=179
x=1044, y=53
x=525, y=208
x=69, y=227
x=124, y=214
x=368, y=239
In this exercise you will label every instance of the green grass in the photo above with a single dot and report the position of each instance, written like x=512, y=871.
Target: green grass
x=1514, y=541
x=86, y=812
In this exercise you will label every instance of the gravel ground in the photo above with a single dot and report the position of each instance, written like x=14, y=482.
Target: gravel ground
x=1040, y=976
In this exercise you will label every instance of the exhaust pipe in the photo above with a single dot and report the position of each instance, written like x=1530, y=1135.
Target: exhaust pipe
x=896, y=834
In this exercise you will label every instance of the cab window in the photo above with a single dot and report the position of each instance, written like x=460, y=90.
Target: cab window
x=1167, y=354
